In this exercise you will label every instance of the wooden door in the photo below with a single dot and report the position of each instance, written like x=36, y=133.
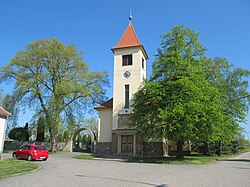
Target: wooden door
x=127, y=142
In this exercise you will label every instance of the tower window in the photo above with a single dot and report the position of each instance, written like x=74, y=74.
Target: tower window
x=142, y=63
x=126, y=96
x=127, y=60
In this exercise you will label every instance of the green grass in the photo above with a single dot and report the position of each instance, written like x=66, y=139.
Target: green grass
x=11, y=166
x=85, y=156
x=194, y=158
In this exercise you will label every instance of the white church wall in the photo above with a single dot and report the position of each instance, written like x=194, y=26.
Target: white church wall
x=2, y=133
x=105, y=125
x=134, y=81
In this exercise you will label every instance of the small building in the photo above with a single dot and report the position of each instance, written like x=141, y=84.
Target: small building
x=114, y=134
x=3, y=124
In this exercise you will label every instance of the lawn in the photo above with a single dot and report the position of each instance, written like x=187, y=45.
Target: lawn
x=194, y=158
x=11, y=166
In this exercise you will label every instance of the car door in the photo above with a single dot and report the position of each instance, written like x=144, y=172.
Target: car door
x=20, y=152
x=26, y=152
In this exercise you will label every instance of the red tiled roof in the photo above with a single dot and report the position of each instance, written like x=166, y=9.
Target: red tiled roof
x=129, y=38
x=107, y=104
x=4, y=112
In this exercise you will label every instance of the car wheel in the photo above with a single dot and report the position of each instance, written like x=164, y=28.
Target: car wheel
x=45, y=159
x=29, y=158
x=14, y=156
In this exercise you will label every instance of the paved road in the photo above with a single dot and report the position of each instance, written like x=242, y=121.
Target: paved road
x=63, y=171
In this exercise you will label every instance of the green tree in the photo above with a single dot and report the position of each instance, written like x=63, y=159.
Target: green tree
x=19, y=133
x=40, y=129
x=9, y=103
x=233, y=86
x=52, y=77
x=178, y=102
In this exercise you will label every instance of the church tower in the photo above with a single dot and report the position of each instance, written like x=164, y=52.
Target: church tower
x=130, y=60
x=129, y=72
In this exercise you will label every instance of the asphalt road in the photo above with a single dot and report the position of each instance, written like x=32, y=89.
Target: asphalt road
x=62, y=170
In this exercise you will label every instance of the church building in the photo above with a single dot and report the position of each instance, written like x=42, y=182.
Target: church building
x=114, y=134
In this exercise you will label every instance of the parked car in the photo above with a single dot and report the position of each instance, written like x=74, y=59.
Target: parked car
x=31, y=152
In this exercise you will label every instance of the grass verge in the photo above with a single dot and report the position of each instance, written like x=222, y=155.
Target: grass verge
x=11, y=166
x=85, y=156
x=194, y=158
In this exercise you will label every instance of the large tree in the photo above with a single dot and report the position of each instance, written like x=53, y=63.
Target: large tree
x=180, y=102
x=52, y=77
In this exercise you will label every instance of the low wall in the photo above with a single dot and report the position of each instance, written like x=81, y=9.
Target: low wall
x=103, y=148
x=16, y=144
x=153, y=149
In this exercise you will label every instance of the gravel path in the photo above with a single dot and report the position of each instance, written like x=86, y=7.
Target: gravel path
x=62, y=170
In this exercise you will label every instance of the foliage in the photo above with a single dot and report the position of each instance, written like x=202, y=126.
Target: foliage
x=8, y=102
x=185, y=99
x=53, y=78
x=19, y=133
x=40, y=129
x=10, y=167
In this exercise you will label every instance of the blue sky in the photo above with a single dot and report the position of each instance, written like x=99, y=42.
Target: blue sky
x=97, y=26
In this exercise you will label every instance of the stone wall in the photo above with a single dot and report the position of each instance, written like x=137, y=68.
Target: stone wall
x=153, y=149
x=17, y=144
x=123, y=121
x=103, y=147
x=139, y=145
x=114, y=143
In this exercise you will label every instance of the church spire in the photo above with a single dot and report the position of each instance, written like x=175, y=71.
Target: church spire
x=129, y=38
x=130, y=17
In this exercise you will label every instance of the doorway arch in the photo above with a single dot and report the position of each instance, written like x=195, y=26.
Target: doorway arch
x=89, y=132
x=70, y=143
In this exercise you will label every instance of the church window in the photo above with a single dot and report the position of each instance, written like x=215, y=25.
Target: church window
x=127, y=60
x=126, y=96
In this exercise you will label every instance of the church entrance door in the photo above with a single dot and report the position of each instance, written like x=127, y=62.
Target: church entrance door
x=127, y=142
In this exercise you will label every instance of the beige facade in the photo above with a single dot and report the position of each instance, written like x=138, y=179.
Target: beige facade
x=138, y=73
x=105, y=125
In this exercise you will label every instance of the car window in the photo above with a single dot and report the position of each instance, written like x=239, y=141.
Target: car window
x=28, y=147
x=23, y=148
x=40, y=148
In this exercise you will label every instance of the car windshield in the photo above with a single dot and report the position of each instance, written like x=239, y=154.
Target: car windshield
x=39, y=148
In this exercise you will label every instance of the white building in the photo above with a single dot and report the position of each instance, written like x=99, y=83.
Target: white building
x=114, y=134
x=3, y=124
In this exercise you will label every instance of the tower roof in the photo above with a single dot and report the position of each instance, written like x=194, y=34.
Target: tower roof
x=129, y=39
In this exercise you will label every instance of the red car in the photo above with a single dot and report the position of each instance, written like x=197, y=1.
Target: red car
x=31, y=152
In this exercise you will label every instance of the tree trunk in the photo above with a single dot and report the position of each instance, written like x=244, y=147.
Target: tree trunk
x=53, y=144
x=165, y=147
x=205, y=149
x=179, y=154
x=219, y=149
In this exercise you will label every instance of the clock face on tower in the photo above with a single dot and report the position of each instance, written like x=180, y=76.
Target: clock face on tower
x=126, y=74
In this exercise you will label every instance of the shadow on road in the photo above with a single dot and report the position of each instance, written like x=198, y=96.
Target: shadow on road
x=234, y=160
